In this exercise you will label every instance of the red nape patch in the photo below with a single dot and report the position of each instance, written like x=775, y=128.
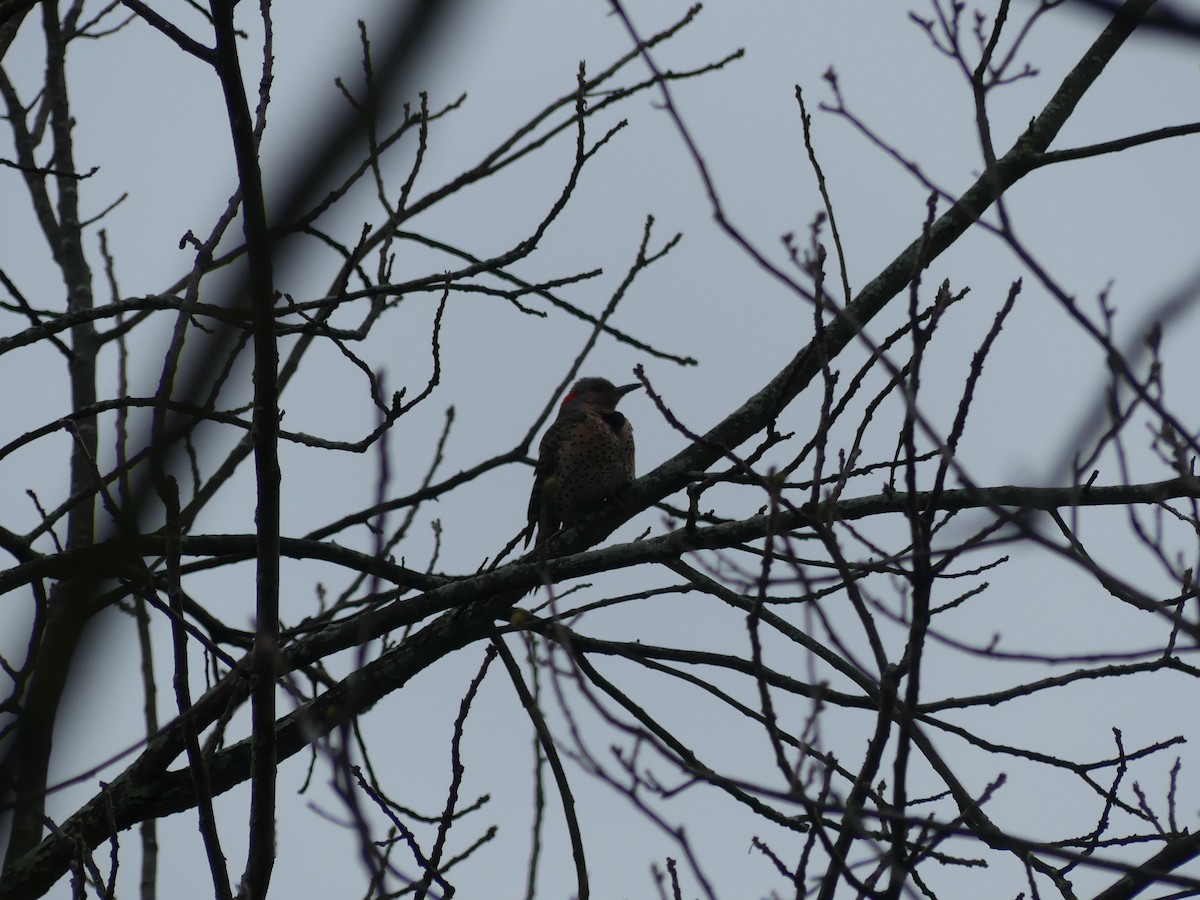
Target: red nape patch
x=567, y=399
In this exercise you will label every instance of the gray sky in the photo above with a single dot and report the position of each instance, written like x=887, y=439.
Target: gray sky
x=152, y=120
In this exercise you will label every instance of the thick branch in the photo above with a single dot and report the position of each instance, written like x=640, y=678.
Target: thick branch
x=762, y=408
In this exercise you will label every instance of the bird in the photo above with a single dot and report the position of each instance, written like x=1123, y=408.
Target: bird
x=585, y=456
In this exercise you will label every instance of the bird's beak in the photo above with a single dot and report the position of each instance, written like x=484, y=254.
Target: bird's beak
x=626, y=388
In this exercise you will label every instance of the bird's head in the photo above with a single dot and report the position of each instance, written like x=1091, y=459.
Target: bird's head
x=599, y=392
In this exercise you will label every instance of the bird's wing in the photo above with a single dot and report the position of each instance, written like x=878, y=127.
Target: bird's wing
x=546, y=467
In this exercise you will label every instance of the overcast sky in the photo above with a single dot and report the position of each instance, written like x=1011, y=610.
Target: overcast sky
x=153, y=121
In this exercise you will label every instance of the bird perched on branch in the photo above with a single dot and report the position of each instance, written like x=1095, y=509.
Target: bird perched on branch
x=585, y=456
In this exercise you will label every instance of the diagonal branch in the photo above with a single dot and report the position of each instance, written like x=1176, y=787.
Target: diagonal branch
x=762, y=408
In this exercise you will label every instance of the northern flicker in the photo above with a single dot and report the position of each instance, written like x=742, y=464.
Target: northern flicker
x=585, y=456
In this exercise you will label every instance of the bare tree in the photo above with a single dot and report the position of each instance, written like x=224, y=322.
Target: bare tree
x=834, y=554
